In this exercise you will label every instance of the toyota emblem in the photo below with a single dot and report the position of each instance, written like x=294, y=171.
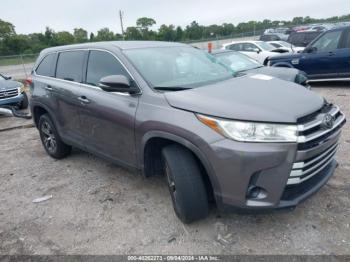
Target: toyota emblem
x=328, y=121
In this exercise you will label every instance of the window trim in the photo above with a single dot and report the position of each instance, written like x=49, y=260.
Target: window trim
x=85, y=64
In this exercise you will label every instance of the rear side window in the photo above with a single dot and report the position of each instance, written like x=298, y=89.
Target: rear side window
x=102, y=64
x=70, y=66
x=46, y=66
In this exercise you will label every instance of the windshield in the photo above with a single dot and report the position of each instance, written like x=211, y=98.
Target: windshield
x=177, y=67
x=265, y=46
x=237, y=61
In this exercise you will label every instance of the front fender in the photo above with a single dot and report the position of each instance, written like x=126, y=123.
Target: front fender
x=184, y=142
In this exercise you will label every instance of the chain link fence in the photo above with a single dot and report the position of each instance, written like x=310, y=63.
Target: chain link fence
x=17, y=66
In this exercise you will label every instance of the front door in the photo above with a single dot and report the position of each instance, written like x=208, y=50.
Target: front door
x=322, y=62
x=108, y=119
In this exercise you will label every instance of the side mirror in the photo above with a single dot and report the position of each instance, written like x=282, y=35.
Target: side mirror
x=310, y=49
x=117, y=83
x=257, y=50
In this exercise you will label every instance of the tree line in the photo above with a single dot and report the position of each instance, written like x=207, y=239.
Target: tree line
x=12, y=43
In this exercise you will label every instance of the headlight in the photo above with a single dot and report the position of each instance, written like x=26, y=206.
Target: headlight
x=251, y=131
x=21, y=89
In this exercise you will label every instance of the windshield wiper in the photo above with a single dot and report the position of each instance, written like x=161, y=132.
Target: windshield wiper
x=171, y=88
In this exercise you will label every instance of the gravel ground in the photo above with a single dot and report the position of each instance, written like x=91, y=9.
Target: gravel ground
x=99, y=208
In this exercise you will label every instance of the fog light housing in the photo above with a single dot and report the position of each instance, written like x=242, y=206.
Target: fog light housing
x=255, y=192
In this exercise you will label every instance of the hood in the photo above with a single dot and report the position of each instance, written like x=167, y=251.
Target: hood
x=284, y=73
x=252, y=97
x=9, y=84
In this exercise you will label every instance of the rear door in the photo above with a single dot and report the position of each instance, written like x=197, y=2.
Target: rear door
x=323, y=62
x=66, y=90
x=108, y=118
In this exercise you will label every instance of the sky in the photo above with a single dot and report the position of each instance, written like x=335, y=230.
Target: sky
x=30, y=16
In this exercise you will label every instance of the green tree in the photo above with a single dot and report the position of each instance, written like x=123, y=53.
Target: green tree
x=80, y=35
x=92, y=37
x=63, y=38
x=145, y=23
x=179, y=33
x=6, y=29
x=133, y=33
x=167, y=33
x=105, y=34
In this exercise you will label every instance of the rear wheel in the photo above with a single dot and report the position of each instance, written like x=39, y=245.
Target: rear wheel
x=51, y=140
x=186, y=186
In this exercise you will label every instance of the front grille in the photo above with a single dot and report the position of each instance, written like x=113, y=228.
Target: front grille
x=312, y=132
x=303, y=171
x=8, y=93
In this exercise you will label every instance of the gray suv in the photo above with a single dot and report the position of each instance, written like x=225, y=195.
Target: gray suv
x=248, y=142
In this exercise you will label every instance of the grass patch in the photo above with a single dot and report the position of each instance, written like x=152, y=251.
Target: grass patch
x=8, y=61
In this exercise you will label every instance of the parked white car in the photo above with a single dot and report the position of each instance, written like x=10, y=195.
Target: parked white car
x=286, y=46
x=257, y=50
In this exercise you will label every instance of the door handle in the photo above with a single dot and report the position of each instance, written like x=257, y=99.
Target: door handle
x=83, y=99
x=331, y=53
x=48, y=87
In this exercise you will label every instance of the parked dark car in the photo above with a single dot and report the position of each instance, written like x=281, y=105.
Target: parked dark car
x=326, y=58
x=12, y=93
x=270, y=37
x=168, y=108
x=242, y=64
x=302, y=39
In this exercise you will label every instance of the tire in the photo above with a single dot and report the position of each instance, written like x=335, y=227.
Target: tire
x=51, y=140
x=24, y=104
x=186, y=186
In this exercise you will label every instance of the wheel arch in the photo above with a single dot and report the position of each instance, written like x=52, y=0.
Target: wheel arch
x=154, y=141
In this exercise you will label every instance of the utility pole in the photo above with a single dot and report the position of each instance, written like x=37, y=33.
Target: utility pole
x=121, y=15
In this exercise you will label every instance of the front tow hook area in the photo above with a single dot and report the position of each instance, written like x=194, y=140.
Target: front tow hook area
x=13, y=111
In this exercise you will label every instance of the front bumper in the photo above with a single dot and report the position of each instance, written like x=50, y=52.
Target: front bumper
x=12, y=100
x=239, y=167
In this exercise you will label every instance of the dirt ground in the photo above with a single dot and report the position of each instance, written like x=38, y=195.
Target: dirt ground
x=99, y=208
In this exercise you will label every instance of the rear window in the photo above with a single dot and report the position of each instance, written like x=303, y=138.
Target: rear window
x=46, y=65
x=70, y=66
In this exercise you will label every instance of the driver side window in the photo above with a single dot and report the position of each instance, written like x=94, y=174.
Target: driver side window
x=328, y=42
x=102, y=64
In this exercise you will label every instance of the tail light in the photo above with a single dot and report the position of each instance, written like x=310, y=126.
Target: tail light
x=29, y=80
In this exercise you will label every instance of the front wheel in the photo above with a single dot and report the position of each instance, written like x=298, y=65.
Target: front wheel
x=186, y=186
